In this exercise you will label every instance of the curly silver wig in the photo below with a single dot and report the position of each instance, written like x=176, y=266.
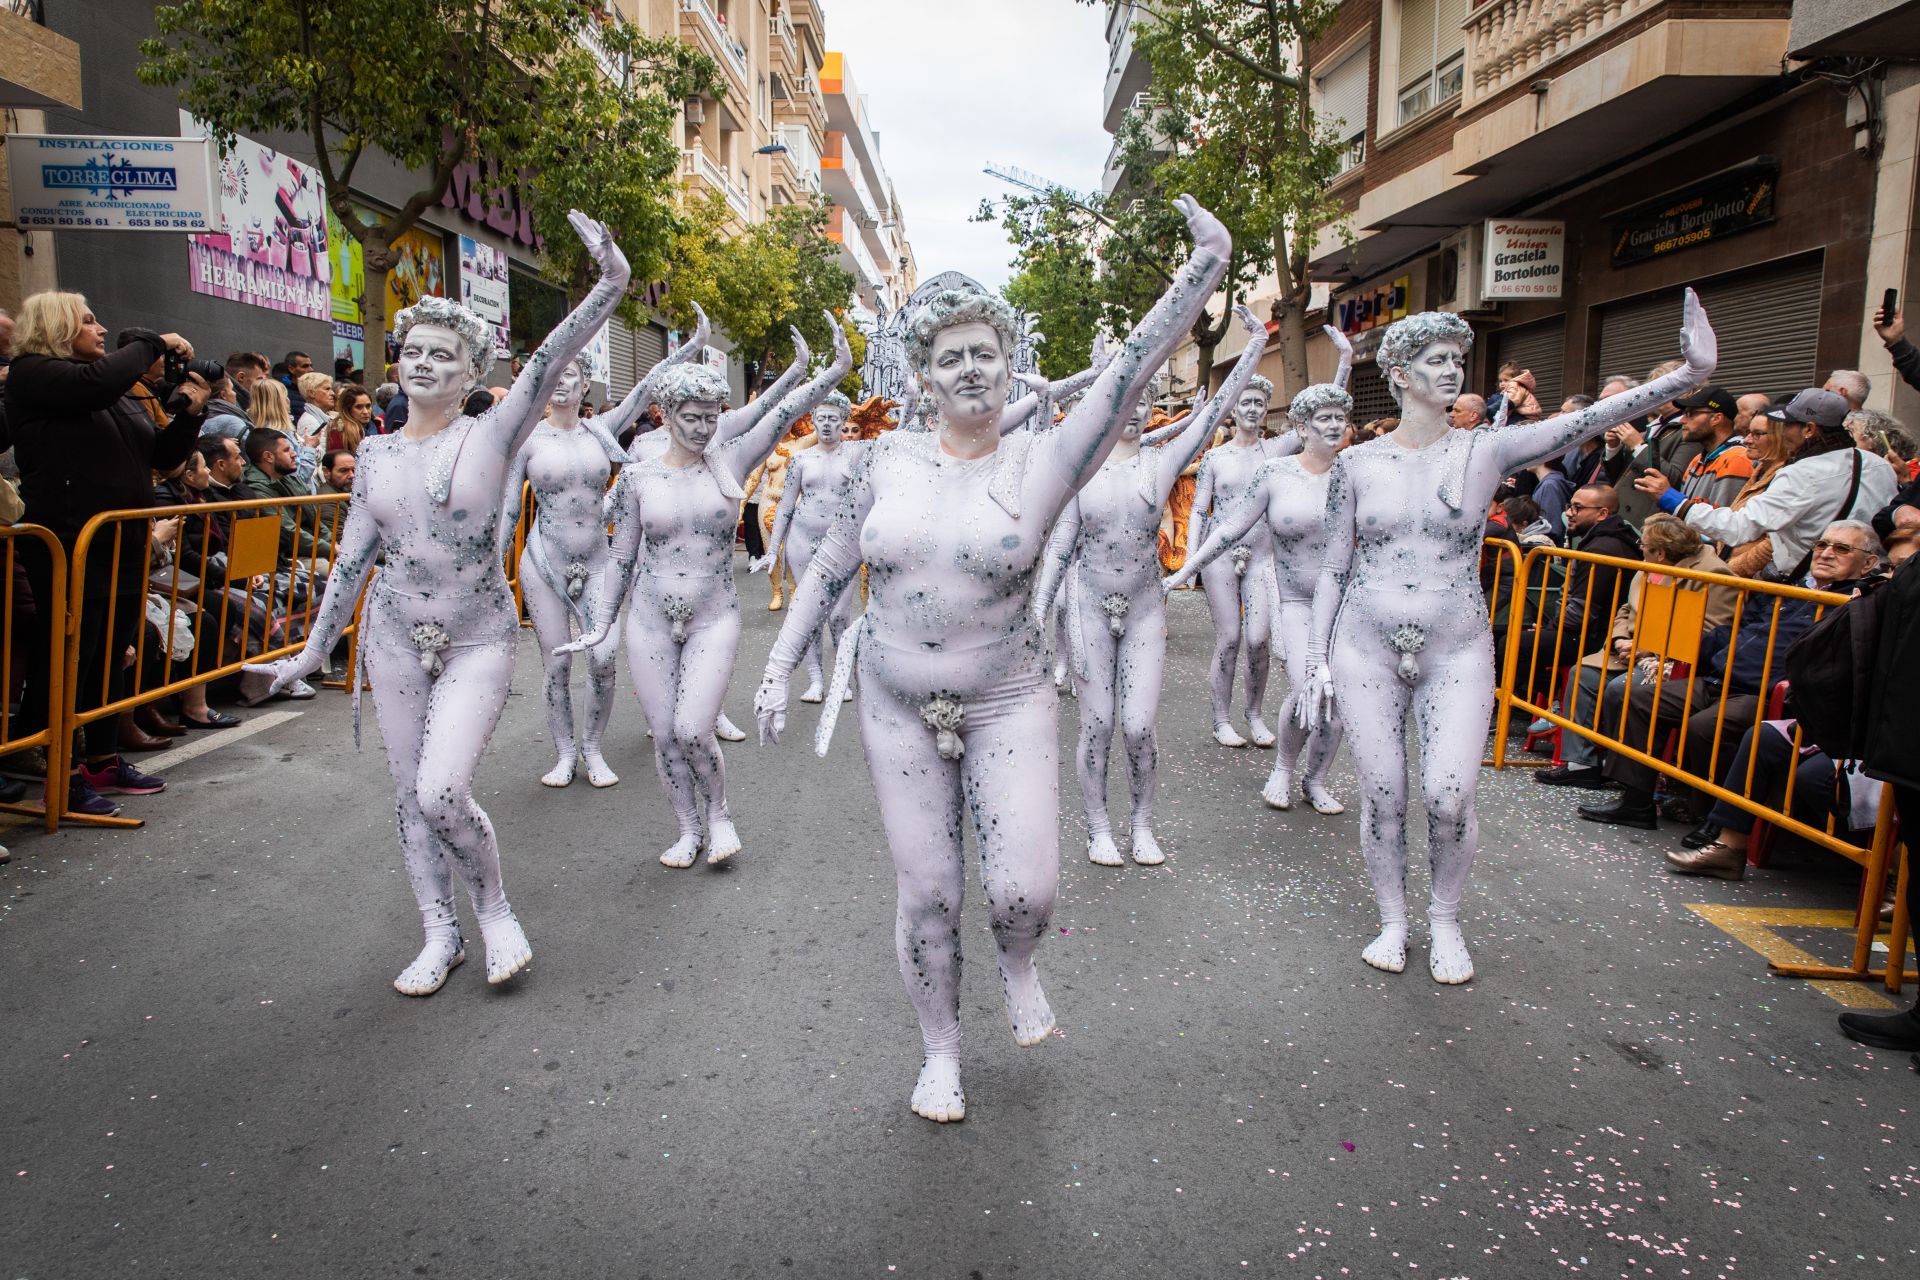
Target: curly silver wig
x=1317, y=397
x=835, y=400
x=948, y=308
x=1407, y=338
x=1262, y=384
x=473, y=328
x=683, y=382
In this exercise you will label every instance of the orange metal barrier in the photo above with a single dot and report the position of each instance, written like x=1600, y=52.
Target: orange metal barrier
x=17, y=625
x=1662, y=642
x=256, y=605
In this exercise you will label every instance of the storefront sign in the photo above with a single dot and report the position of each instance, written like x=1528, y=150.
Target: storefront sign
x=1373, y=307
x=113, y=184
x=481, y=196
x=1523, y=259
x=273, y=253
x=483, y=288
x=1712, y=210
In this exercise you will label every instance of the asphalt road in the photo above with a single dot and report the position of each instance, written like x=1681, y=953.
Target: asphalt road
x=705, y=1072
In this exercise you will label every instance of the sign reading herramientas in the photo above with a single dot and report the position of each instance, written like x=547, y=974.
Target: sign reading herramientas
x=67, y=183
x=1711, y=210
x=1524, y=258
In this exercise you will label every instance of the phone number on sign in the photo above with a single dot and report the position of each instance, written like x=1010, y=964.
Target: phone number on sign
x=140, y=222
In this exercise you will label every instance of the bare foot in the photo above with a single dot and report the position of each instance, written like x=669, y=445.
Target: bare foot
x=1449, y=962
x=1146, y=850
x=723, y=729
x=1258, y=732
x=683, y=852
x=1388, y=951
x=937, y=1096
x=598, y=773
x=722, y=841
x=429, y=970
x=815, y=693
x=560, y=775
x=1322, y=799
x=1279, y=790
x=508, y=951
x=1224, y=734
x=1103, y=852
x=1027, y=1008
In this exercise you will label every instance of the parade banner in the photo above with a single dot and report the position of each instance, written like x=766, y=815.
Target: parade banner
x=113, y=184
x=273, y=253
x=1524, y=258
x=349, y=281
x=483, y=288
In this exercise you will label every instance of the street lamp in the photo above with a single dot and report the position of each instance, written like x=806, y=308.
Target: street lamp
x=771, y=149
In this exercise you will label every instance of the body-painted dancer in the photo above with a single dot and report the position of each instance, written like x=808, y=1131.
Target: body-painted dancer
x=1289, y=494
x=816, y=484
x=674, y=518
x=1105, y=550
x=957, y=715
x=439, y=628
x=1399, y=623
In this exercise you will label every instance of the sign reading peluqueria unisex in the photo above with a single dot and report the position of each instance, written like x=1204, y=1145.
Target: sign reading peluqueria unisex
x=65, y=183
x=1712, y=209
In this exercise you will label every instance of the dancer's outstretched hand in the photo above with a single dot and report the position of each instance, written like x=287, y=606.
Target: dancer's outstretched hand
x=287, y=671
x=1698, y=347
x=762, y=564
x=1314, y=708
x=584, y=643
x=770, y=708
x=600, y=245
x=1342, y=347
x=1208, y=231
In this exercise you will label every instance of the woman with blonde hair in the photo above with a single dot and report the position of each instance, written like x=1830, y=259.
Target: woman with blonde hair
x=321, y=396
x=268, y=406
x=1767, y=450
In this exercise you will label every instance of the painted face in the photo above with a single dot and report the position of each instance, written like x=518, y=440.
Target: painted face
x=967, y=370
x=1250, y=411
x=1435, y=375
x=1326, y=429
x=829, y=423
x=1137, y=420
x=434, y=368
x=571, y=386
x=693, y=422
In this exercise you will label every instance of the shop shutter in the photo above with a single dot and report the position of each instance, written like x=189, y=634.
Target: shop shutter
x=1418, y=26
x=649, y=346
x=620, y=370
x=1767, y=320
x=1341, y=94
x=1541, y=347
x=1371, y=399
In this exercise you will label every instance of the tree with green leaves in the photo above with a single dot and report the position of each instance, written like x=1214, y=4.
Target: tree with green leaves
x=586, y=104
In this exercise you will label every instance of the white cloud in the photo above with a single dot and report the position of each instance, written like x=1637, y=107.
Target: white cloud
x=954, y=84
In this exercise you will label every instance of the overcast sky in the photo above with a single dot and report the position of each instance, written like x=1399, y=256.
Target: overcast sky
x=951, y=86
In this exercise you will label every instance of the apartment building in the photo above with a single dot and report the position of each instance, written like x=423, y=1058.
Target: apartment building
x=1557, y=170
x=867, y=221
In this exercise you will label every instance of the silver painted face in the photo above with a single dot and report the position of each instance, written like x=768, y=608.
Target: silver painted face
x=434, y=367
x=692, y=424
x=1137, y=420
x=1327, y=429
x=1250, y=411
x=967, y=370
x=1434, y=376
x=571, y=386
x=829, y=423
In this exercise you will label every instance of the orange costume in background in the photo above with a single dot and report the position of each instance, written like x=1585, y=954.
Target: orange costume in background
x=1179, y=509
x=773, y=475
x=869, y=419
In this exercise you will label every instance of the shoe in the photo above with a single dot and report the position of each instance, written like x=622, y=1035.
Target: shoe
x=117, y=777
x=134, y=738
x=149, y=719
x=1897, y=1031
x=1586, y=777
x=1721, y=861
x=1682, y=809
x=1630, y=810
x=300, y=691
x=1540, y=726
x=12, y=791
x=253, y=688
x=1701, y=836
x=83, y=799
x=31, y=763
x=214, y=720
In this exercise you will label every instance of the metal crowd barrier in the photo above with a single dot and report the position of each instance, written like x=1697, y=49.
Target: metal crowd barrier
x=20, y=616
x=1668, y=627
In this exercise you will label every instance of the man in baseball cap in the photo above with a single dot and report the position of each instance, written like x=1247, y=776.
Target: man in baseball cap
x=1721, y=469
x=1813, y=407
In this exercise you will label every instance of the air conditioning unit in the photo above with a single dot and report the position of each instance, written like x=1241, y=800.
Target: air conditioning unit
x=1457, y=282
x=696, y=111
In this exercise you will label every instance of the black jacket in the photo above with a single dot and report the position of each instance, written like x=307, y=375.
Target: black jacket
x=1890, y=753
x=1906, y=361
x=1603, y=584
x=1668, y=452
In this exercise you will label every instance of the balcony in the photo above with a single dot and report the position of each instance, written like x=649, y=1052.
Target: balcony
x=701, y=27
x=855, y=255
x=1127, y=76
x=1508, y=41
x=801, y=157
x=705, y=176
x=38, y=69
x=798, y=99
x=782, y=42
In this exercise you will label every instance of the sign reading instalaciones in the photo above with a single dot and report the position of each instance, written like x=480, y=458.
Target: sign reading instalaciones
x=65, y=183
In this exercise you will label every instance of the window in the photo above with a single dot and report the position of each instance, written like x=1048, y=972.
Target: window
x=1340, y=102
x=1432, y=54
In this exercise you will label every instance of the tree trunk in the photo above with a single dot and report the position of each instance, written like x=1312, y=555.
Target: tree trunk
x=377, y=259
x=1289, y=314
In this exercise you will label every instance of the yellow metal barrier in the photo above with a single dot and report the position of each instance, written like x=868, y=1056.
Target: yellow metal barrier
x=1665, y=635
x=1501, y=559
x=261, y=607
x=50, y=616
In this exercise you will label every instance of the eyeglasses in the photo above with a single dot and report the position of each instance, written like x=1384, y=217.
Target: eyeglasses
x=1826, y=544
x=1584, y=506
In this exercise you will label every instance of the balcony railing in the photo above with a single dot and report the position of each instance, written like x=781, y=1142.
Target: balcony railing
x=802, y=155
x=721, y=38
x=695, y=164
x=1509, y=40
x=782, y=31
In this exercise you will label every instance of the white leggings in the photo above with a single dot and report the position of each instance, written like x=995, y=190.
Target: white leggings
x=1124, y=674
x=552, y=619
x=799, y=554
x=1006, y=782
x=681, y=685
x=1239, y=602
x=1293, y=625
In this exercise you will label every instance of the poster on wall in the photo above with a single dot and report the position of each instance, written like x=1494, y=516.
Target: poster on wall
x=349, y=281
x=483, y=287
x=599, y=357
x=273, y=253
x=419, y=271
x=113, y=184
x=1524, y=258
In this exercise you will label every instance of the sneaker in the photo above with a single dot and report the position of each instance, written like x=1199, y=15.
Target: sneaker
x=83, y=799
x=300, y=691
x=117, y=777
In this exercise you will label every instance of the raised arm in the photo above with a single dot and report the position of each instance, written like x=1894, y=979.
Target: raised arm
x=1532, y=442
x=640, y=399
x=1207, y=413
x=737, y=422
x=1054, y=560
x=1229, y=529
x=1082, y=442
x=1030, y=410
x=1201, y=517
x=516, y=495
x=1195, y=430
x=354, y=551
x=782, y=517
x=752, y=447
x=515, y=417
x=623, y=509
x=1316, y=706
x=1344, y=369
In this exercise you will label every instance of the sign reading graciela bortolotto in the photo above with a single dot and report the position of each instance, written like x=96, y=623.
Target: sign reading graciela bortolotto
x=113, y=184
x=1713, y=209
x=1524, y=258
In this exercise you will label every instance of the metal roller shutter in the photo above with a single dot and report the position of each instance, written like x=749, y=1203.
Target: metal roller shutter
x=620, y=371
x=649, y=346
x=1371, y=399
x=1767, y=320
x=1541, y=347
x=1341, y=94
